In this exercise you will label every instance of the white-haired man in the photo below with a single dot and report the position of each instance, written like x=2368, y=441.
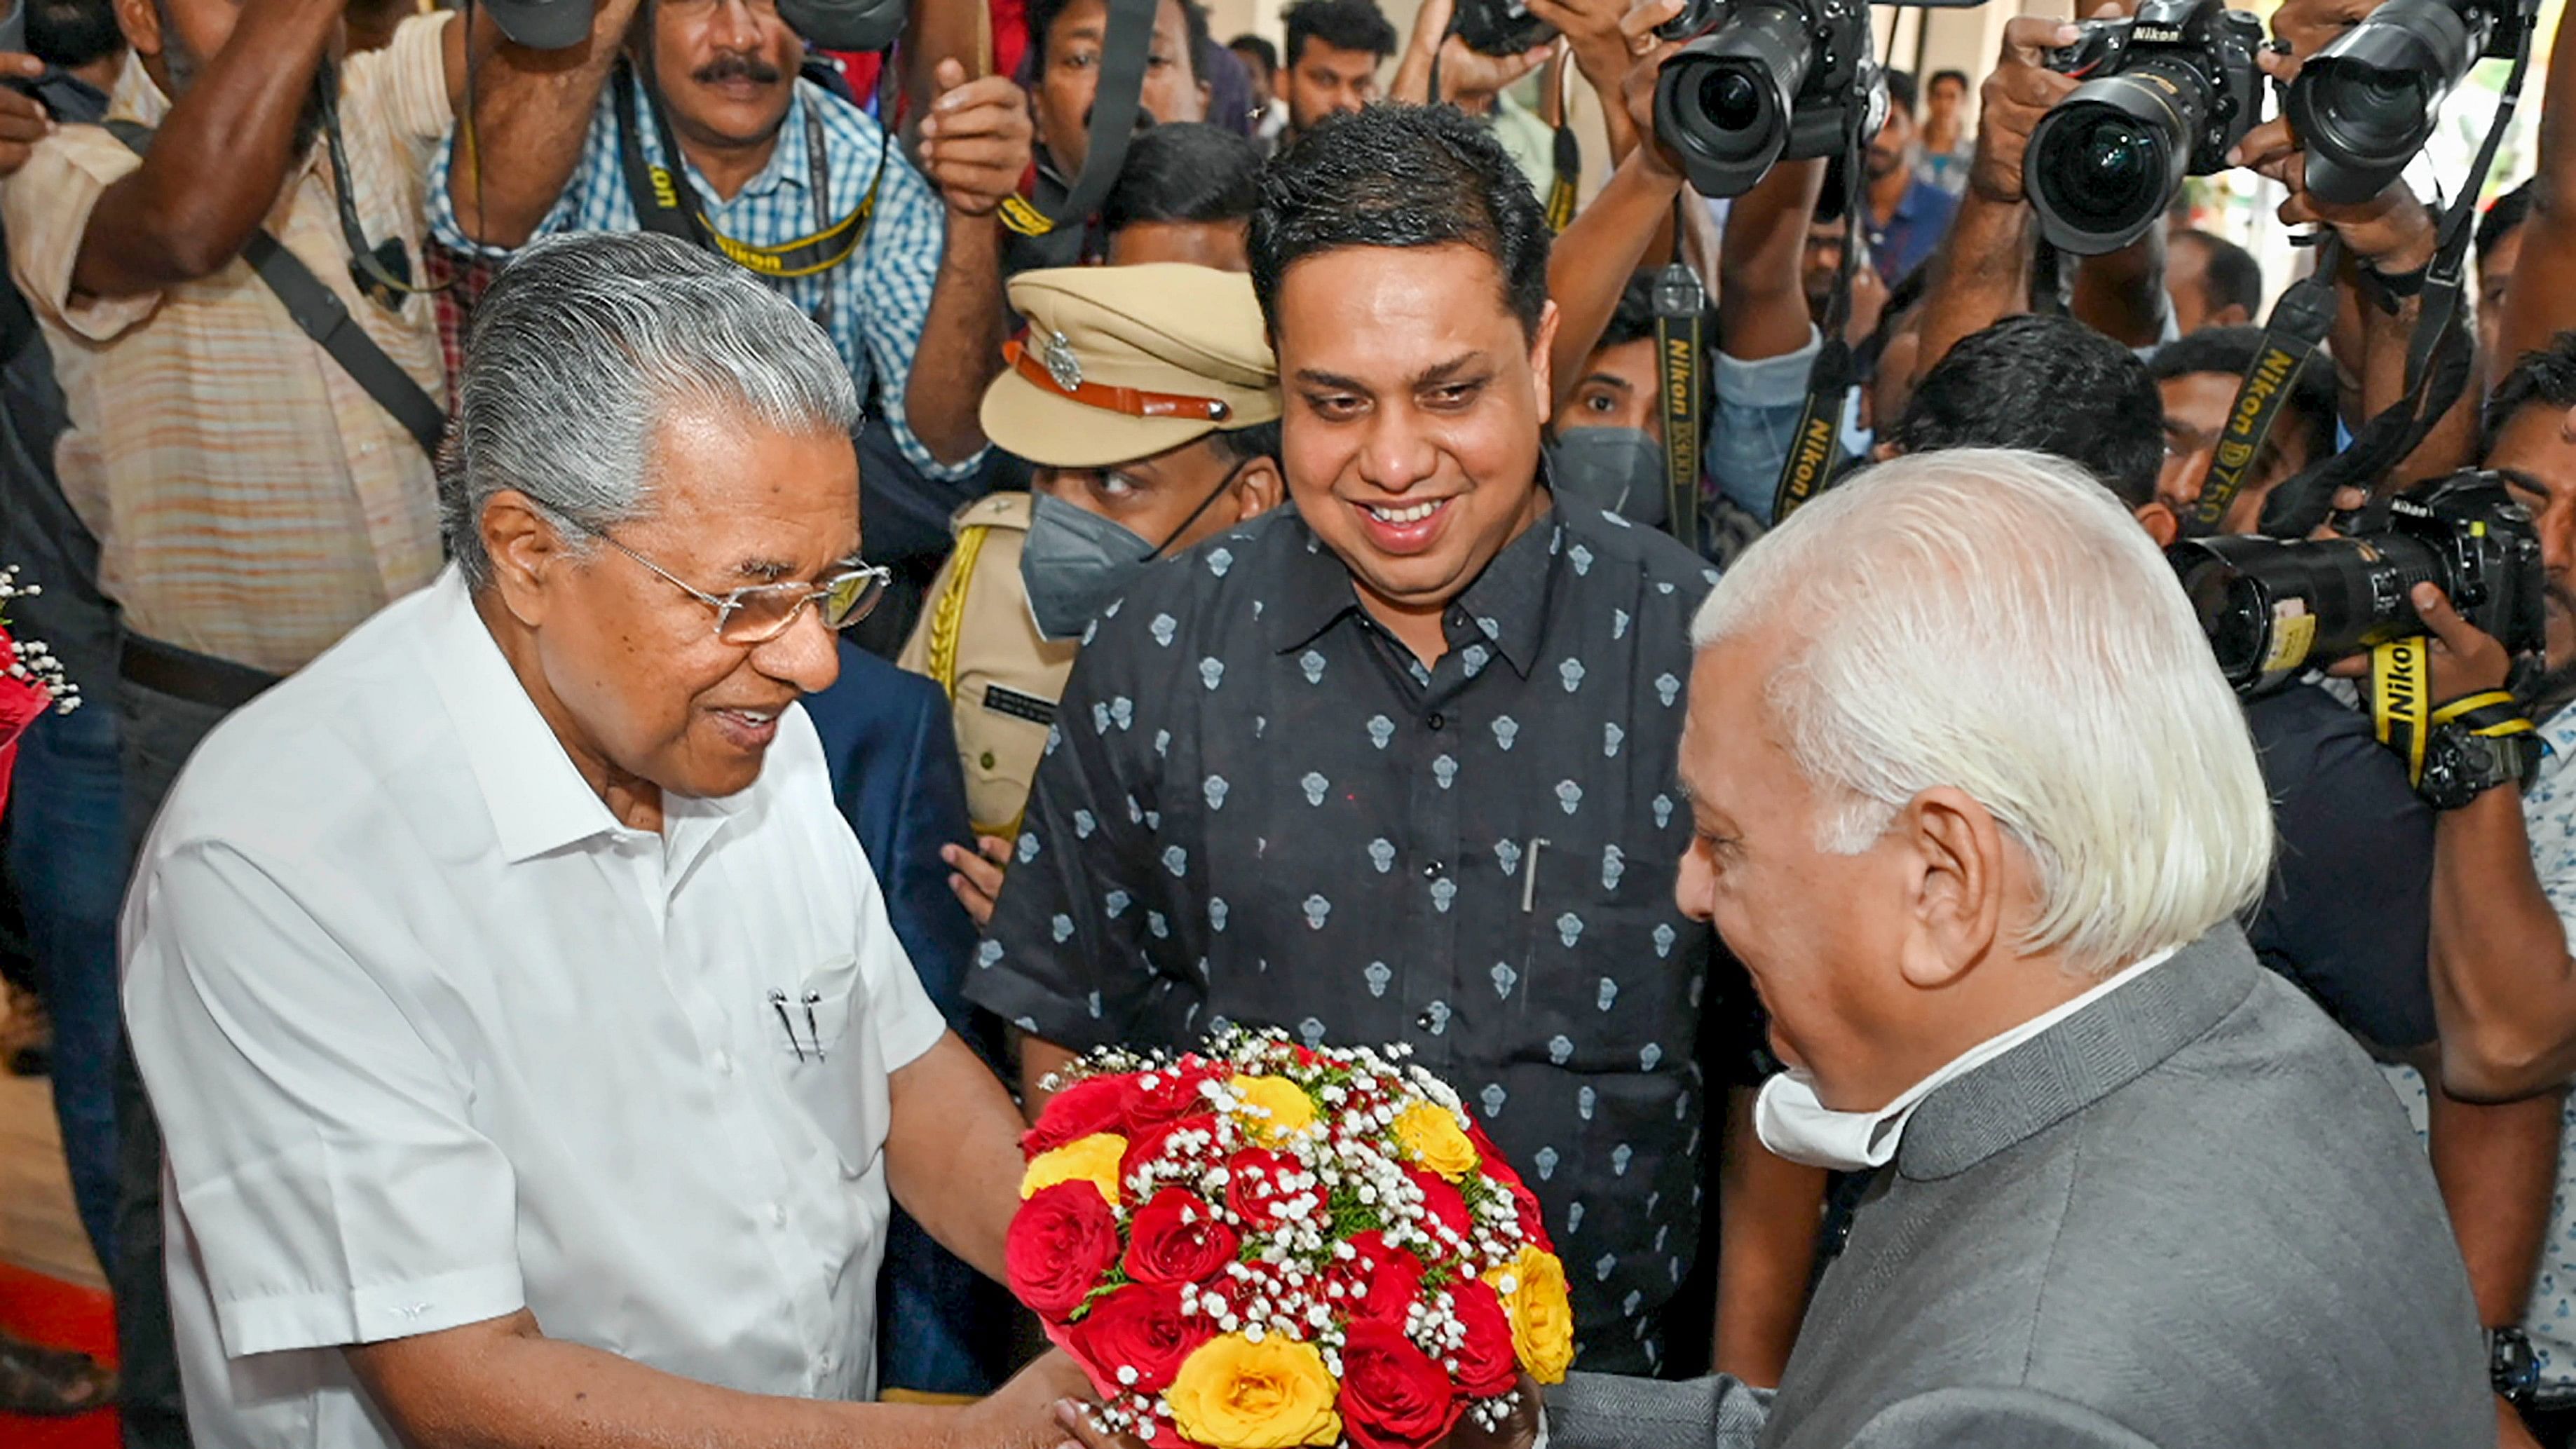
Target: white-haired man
x=535, y=1051
x=1977, y=811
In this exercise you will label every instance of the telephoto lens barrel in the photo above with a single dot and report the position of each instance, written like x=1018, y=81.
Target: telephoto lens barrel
x=1724, y=102
x=2366, y=104
x=2105, y=162
x=2270, y=607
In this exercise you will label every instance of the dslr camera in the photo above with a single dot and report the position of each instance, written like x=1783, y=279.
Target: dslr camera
x=2365, y=105
x=2167, y=92
x=1764, y=81
x=2272, y=608
x=1500, y=27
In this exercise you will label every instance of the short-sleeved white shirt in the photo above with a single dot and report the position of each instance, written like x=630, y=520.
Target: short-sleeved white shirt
x=432, y=1037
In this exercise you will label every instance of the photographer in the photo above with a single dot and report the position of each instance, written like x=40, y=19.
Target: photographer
x=1983, y=270
x=900, y=268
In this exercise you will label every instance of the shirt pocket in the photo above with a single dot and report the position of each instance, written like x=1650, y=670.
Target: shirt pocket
x=1608, y=964
x=831, y=1063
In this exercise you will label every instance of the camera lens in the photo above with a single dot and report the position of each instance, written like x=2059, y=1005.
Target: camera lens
x=2365, y=105
x=1723, y=102
x=2103, y=164
x=2270, y=607
x=1730, y=100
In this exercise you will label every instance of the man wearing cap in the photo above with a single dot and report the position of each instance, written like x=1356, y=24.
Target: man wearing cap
x=1147, y=398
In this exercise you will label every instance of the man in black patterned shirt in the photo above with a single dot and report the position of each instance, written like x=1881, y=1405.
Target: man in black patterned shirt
x=1397, y=764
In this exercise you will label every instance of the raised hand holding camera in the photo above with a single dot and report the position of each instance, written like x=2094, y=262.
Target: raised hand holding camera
x=2165, y=94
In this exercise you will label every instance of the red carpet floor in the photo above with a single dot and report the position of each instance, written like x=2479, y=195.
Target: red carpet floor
x=51, y=1311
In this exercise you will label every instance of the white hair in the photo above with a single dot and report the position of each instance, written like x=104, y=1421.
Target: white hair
x=579, y=350
x=1996, y=622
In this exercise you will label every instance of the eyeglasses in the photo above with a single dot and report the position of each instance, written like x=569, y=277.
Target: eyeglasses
x=758, y=613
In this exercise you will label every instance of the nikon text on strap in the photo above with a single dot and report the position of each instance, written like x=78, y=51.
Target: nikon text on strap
x=1681, y=312
x=1815, y=446
x=324, y=318
x=2299, y=322
x=1054, y=222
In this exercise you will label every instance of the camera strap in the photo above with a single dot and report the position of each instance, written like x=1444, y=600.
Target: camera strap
x=666, y=201
x=381, y=271
x=1055, y=217
x=2440, y=356
x=2291, y=335
x=1815, y=445
x=2401, y=700
x=318, y=311
x=1681, y=318
x=1569, y=156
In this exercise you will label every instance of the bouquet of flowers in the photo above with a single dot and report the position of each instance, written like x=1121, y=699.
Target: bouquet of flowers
x=31, y=680
x=1266, y=1245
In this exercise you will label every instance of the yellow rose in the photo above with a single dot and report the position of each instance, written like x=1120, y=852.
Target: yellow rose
x=1239, y=1394
x=1429, y=1134
x=1532, y=1287
x=1092, y=1159
x=1289, y=1109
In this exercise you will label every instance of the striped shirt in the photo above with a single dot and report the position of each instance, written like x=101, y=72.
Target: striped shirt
x=250, y=501
x=879, y=299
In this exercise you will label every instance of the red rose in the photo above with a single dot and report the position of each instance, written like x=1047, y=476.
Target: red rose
x=1140, y=1327
x=1061, y=1240
x=1175, y=1093
x=1379, y=1281
x=1441, y=1200
x=1487, y=1367
x=1094, y=1104
x=1176, y=1239
x=1393, y=1395
x=1152, y=1143
x=1252, y=1187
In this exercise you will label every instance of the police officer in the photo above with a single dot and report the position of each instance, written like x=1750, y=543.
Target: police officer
x=1148, y=400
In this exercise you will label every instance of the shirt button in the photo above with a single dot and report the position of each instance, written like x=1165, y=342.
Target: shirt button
x=1423, y=1021
x=1438, y=721
x=987, y=759
x=778, y=1215
x=724, y=1064
x=1431, y=870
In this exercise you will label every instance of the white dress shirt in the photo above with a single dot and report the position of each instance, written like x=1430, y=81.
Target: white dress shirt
x=434, y=1038
x=1791, y=1121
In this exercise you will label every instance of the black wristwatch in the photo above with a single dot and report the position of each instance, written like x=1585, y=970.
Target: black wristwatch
x=2461, y=764
x=2511, y=1366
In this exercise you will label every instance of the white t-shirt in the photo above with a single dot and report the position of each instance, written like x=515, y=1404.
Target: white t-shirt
x=432, y=1038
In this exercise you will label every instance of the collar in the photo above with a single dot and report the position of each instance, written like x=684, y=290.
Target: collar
x=536, y=797
x=1506, y=604
x=1919, y=194
x=1795, y=1125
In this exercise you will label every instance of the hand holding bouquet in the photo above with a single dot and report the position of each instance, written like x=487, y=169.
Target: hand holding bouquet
x=1270, y=1245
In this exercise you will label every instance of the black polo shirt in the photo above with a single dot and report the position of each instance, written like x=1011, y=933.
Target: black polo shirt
x=2348, y=911
x=1258, y=807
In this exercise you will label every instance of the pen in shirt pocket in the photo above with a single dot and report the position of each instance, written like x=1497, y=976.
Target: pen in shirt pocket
x=813, y=1032
x=1529, y=877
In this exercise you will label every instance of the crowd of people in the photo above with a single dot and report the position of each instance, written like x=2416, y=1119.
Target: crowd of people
x=663, y=647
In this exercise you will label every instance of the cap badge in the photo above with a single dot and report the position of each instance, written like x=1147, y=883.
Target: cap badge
x=1061, y=363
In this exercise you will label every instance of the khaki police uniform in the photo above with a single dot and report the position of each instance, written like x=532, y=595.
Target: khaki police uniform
x=1118, y=363
x=977, y=641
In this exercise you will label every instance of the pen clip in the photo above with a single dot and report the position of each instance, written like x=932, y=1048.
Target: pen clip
x=813, y=999
x=778, y=1003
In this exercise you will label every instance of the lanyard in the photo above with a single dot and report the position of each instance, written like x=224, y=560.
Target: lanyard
x=666, y=202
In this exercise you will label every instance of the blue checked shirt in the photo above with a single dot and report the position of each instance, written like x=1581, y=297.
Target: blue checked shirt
x=880, y=298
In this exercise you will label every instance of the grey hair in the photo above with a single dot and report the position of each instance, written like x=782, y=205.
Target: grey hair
x=1996, y=622
x=580, y=349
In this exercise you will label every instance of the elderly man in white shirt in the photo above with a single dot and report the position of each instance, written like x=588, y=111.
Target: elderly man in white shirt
x=533, y=1049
